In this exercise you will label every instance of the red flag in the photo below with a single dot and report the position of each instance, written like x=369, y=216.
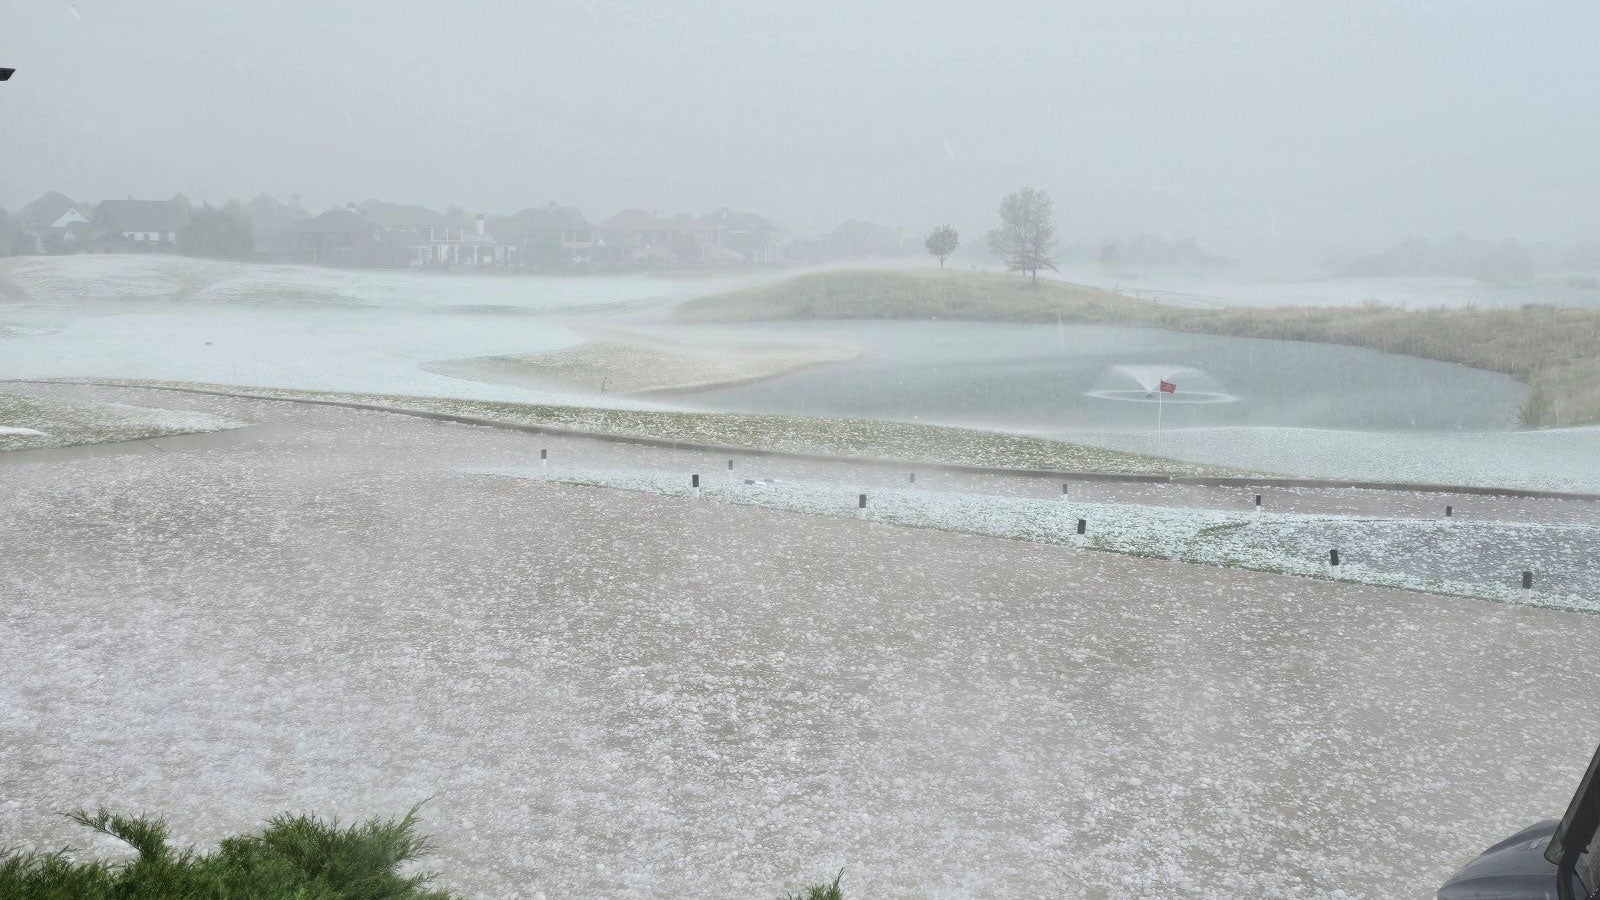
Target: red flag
x=1168, y=387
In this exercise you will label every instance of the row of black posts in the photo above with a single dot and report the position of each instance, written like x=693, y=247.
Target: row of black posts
x=1334, y=560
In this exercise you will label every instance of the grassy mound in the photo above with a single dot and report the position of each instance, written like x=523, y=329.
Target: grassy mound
x=1554, y=350
x=872, y=294
x=836, y=437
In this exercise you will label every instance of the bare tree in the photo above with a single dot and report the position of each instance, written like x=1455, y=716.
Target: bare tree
x=942, y=241
x=1026, y=238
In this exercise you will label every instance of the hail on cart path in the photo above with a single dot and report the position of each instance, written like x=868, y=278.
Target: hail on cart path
x=615, y=693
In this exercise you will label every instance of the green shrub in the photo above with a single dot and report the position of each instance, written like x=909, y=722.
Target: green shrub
x=821, y=891
x=293, y=858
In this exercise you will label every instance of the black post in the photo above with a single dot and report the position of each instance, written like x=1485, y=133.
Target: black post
x=694, y=481
x=1083, y=526
x=730, y=465
x=1333, y=557
x=544, y=454
x=1449, y=511
x=1258, y=501
x=1063, y=488
x=1527, y=580
x=861, y=502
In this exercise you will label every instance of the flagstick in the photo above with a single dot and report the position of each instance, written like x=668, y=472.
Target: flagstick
x=1161, y=396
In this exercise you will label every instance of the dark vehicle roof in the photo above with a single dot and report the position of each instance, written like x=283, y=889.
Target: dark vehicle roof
x=1577, y=829
x=1513, y=869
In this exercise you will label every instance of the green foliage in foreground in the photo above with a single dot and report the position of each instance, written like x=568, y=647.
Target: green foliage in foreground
x=293, y=858
x=829, y=891
x=1554, y=350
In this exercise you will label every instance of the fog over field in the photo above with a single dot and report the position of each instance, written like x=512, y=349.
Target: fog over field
x=1258, y=128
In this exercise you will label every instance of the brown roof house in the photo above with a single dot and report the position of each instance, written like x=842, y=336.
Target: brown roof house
x=338, y=237
x=756, y=239
x=140, y=225
x=637, y=236
x=543, y=237
x=55, y=224
x=418, y=237
x=272, y=225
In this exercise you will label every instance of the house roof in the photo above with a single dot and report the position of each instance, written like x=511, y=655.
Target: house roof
x=334, y=221
x=141, y=215
x=268, y=213
x=400, y=215
x=539, y=218
x=644, y=220
x=741, y=221
x=45, y=210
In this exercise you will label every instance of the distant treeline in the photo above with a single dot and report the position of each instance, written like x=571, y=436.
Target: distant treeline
x=1506, y=262
x=1145, y=251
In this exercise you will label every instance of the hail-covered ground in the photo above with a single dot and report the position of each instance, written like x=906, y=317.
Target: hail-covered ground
x=599, y=342
x=613, y=685
x=1443, y=554
x=162, y=317
x=640, y=694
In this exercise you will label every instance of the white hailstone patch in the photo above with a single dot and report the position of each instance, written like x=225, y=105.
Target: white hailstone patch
x=1559, y=459
x=1465, y=558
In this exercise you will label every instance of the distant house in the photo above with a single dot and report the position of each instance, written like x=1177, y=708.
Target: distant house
x=641, y=236
x=375, y=233
x=545, y=236
x=273, y=225
x=855, y=238
x=49, y=210
x=418, y=237
x=141, y=224
x=55, y=223
x=756, y=239
x=338, y=237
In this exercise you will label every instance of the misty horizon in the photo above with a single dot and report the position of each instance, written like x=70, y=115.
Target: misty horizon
x=1246, y=127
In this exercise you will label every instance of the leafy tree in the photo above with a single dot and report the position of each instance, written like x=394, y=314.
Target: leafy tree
x=224, y=233
x=942, y=242
x=1026, y=238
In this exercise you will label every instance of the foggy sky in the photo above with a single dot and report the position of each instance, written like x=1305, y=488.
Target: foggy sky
x=1234, y=121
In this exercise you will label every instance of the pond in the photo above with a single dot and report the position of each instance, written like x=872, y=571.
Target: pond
x=1041, y=377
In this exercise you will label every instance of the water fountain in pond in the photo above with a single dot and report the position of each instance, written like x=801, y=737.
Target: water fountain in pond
x=1193, y=385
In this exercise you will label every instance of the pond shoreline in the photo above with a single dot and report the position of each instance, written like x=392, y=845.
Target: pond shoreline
x=1263, y=480
x=1555, y=351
